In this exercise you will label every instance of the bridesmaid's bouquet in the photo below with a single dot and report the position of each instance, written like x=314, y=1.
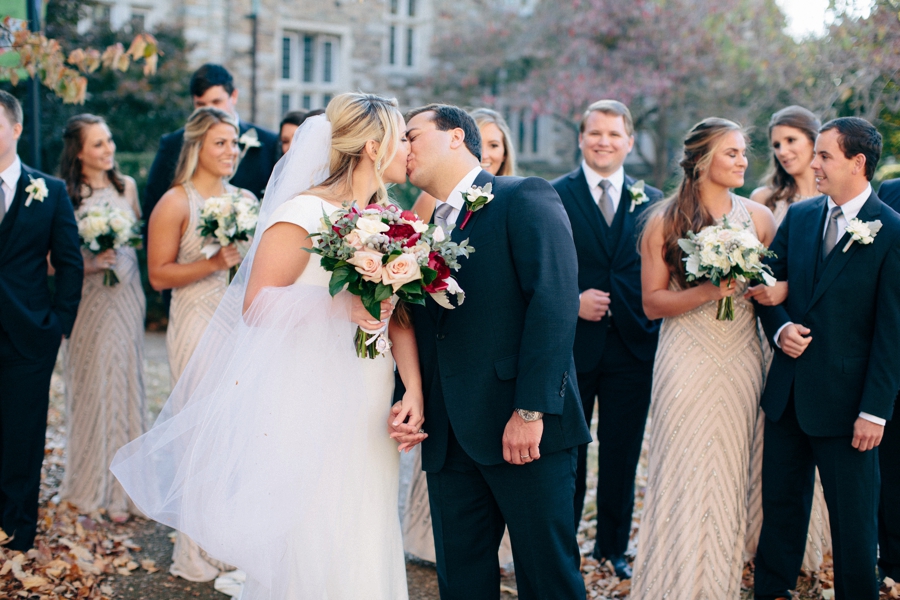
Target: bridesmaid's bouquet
x=723, y=252
x=381, y=251
x=227, y=220
x=103, y=227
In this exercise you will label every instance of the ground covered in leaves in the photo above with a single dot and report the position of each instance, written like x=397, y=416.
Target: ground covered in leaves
x=80, y=556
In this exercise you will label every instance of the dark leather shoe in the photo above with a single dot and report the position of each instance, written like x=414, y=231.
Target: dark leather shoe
x=619, y=563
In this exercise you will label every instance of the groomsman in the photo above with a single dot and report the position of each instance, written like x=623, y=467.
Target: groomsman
x=889, y=457
x=36, y=219
x=615, y=342
x=212, y=85
x=836, y=369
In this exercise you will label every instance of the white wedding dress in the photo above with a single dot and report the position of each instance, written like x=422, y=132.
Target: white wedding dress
x=276, y=459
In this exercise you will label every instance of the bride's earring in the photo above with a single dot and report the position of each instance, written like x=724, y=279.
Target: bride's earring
x=378, y=165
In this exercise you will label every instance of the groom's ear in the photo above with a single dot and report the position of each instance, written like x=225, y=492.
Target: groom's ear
x=457, y=138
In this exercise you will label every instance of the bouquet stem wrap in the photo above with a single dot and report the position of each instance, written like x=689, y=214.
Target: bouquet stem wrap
x=725, y=310
x=110, y=278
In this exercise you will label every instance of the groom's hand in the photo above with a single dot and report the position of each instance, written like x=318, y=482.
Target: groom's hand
x=794, y=339
x=521, y=440
x=866, y=434
x=593, y=304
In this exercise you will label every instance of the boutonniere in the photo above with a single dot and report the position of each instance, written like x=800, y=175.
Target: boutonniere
x=863, y=232
x=37, y=190
x=476, y=197
x=250, y=139
x=638, y=195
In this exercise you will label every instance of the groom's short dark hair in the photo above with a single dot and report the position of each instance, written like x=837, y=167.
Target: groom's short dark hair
x=857, y=136
x=448, y=117
x=11, y=105
x=211, y=75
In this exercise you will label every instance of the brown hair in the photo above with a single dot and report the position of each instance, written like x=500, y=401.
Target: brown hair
x=482, y=117
x=70, y=169
x=609, y=107
x=780, y=183
x=684, y=211
x=195, y=130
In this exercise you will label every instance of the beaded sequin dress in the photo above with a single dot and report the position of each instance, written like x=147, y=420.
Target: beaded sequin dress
x=106, y=404
x=192, y=308
x=707, y=381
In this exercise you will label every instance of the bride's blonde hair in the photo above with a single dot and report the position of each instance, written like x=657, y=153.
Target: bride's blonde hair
x=356, y=119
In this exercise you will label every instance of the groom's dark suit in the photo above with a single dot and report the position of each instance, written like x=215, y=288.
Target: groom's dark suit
x=889, y=455
x=850, y=301
x=32, y=323
x=613, y=356
x=508, y=346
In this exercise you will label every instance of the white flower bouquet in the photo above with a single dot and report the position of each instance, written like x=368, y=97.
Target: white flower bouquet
x=227, y=220
x=723, y=252
x=103, y=227
x=381, y=251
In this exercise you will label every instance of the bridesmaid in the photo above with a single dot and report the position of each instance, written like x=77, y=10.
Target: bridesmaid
x=174, y=260
x=106, y=405
x=498, y=157
x=707, y=381
x=790, y=178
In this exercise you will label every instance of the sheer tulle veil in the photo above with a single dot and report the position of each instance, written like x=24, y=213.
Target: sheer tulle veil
x=263, y=449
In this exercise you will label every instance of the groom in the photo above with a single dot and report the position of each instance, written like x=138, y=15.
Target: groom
x=502, y=410
x=33, y=223
x=836, y=371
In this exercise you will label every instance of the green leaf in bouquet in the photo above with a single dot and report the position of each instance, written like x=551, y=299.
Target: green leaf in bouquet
x=339, y=278
x=428, y=275
x=368, y=299
x=383, y=292
x=687, y=245
x=411, y=288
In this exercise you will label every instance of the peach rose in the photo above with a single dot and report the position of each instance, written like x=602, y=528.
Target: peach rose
x=352, y=239
x=368, y=264
x=400, y=270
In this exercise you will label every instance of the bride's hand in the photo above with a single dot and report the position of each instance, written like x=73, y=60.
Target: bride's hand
x=405, y=421
x=360, y=315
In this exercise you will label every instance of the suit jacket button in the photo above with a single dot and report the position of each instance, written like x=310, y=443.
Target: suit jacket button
x=440, y=336
x=562, y=393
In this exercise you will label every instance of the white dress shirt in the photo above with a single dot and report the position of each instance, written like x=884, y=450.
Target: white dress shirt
x=849, y=211
x=456, y=199
x=10, y=180
x=617, y=181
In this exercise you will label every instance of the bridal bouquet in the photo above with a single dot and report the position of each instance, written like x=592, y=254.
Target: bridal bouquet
x=380, y=251
x=723, y=252
x=104, y=227
x=227, y=219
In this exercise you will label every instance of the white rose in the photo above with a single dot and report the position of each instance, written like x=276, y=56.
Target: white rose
x=438, y=234
x=368, y=264
x=418, y=226
x=400, y=270
x=370, y=226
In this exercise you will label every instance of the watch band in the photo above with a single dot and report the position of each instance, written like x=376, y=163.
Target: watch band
x=529, y=416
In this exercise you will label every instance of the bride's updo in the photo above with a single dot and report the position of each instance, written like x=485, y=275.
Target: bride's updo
x=356, y=119
x=684, y=211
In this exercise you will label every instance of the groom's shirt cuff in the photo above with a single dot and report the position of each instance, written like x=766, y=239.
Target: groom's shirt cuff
x=778, y=334
x=873, y=418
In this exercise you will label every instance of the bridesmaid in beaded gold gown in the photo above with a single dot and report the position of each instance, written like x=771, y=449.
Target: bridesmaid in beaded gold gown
x=175, y=261
x=792, y=134
x=707, y=381
x=103, y=359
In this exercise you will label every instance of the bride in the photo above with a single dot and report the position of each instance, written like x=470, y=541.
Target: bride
x=271, y=452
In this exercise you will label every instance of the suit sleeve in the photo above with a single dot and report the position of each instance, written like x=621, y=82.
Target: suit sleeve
x=65, y=256
x=774, y=317
x=883, y=374
x=160, y=177
x=889, y=193
x=543, y=255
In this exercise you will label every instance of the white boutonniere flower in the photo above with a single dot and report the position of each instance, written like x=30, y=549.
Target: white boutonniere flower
x=37, y=190
x=863, y=232
x=250, y=139
x=638, y=195
x=476, y=197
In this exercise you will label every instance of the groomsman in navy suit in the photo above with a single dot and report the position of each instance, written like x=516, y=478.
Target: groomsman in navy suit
x=36, y=219
x=615, y=342
x=836, y=369
x=889, y=456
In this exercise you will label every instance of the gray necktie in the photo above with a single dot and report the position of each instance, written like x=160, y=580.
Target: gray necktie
x=605, y=203
x=441, y=213
x=2, y=202
x=831, y=231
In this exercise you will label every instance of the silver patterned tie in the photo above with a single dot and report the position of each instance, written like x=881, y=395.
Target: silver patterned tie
x=441, y=213
x=605, y=203
x=831, y=238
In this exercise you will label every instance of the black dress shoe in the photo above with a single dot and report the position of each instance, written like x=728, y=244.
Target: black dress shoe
x=619, y=563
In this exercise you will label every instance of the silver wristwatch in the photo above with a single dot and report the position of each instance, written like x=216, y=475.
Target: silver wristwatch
x=529, y=416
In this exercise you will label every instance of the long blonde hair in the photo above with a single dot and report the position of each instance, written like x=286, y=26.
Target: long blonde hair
x=195, y=130
x=684, y=211
x=356, y=119
x=482, y=117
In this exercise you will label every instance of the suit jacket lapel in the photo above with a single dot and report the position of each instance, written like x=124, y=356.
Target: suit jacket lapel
x=581, y=192
x=626, y=230
x=810, y=244
x=839, y=259
x=6, y=227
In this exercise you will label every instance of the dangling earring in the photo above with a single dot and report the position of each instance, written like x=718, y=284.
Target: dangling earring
x=378, y=165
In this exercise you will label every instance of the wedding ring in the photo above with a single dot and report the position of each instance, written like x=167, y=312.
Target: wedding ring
x=421, y=431
x=524, y=457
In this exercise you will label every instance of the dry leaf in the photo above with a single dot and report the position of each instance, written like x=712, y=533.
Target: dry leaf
x=33, y=582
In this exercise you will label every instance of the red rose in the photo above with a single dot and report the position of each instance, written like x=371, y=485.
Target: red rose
x=436, y=263
x=375, y=206
x=413, y=240
x=400, y=231
x=409, y=215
